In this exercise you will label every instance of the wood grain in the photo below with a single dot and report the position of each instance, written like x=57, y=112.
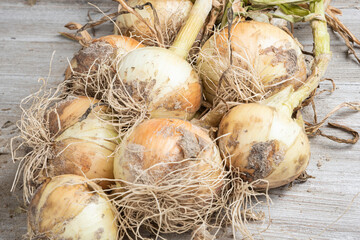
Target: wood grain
x=28, y=37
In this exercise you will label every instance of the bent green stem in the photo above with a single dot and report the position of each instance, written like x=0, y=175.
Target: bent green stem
x=287, y=99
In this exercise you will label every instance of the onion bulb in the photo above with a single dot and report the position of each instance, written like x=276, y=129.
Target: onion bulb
x=171, y=13
x=167, y=141
x=264, y=143
x=88, y=60
x=265, y=59
x=161, y=79
x=100, y=49
x=170, y=176
x=71, y=207
x=83, y=143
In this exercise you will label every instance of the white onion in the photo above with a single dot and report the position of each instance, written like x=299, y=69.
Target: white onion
x=264, y=143
x=71, y=207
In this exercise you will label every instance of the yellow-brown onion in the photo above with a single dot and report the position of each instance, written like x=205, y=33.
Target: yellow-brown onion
x=71, y=207
x=83, y=143
x=157, y=143
x=263, y=51
x=263, y=142
x=172, y=15
x=101, y=49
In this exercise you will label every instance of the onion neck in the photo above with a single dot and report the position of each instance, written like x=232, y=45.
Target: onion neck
x=288, y=99
x=188, y=33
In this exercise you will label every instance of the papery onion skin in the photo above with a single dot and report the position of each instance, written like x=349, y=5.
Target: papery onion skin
x=67, y=207
x=167, y=141
x=169, y=85
x=83, y=143
x=101, y=49
x=172, y=14
x=263, y=143
x=269, y=51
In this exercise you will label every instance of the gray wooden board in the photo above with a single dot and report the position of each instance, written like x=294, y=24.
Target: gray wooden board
x=28, y=37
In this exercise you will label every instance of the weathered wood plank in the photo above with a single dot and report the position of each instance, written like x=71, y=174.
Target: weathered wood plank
x=29, y=36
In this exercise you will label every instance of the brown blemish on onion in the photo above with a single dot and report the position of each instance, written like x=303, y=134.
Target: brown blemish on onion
x=264, y=156
x=186, y=99
x=189, y=144
x=98, y=233
x=300, y=162
x=90, y=57
x=140, y=90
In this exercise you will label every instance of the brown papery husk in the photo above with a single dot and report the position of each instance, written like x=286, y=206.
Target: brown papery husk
x=174, y=203
x=36, y=138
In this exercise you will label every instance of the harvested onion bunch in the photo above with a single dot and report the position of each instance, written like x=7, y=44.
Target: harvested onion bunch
x=71, y=207
x=171, y=15
x=261, y=139
x=85, y=63
x=66, y=136
x=263, y=60
x=170, y=177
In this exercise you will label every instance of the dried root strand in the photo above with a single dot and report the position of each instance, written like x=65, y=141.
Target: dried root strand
x=339, y=27
x=242, y=201
x=181, y=201
x=156, y=30
x=34, y=134
x=313, y=129
x=93, y=23
x=94, y=82
x=162, y=32
x=85, y=39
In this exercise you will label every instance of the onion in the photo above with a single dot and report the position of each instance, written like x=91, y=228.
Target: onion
x=83, y=143
x=164, y=141
x=176, y=161
x=100, y=49
x=264, y=143
x=171, y=15
x=161, y=79
x=71, y=207
x=86, y=62
x=264, y=59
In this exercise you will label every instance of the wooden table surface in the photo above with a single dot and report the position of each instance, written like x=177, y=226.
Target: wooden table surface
x=325, y=207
